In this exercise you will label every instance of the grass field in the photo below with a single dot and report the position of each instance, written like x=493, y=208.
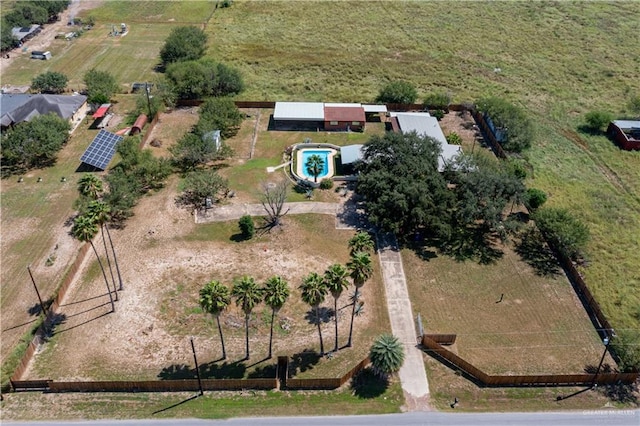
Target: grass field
x=577, y=59
x=540, y=327
x=214, y=405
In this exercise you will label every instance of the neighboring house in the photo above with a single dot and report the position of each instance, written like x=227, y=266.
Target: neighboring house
x=17, y=108
x=425, y=125
x=626, y=133
x=344, y=117
x=315, y=116
x=25, y=33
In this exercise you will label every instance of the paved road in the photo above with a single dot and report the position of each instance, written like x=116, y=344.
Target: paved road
x=413, y=376
x=574, y=418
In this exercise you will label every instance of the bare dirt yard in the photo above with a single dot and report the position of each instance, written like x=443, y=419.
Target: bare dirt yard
x=165, y=258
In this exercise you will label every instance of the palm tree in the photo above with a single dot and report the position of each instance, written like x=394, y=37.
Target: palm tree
x=99, y=212
x=90, y=186
x=84, y=229
x=362, y=242
x=214, y=299
x=386, y=355
x=248, y=294
x=335, y=279
x=314, y=165
x=276, y=293
x=360, y=270
x=313, y=294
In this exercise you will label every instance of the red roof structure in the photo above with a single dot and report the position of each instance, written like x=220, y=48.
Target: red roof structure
x=344, y=113
x=102, y=111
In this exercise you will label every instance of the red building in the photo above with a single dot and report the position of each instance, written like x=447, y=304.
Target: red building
x=626, y=133
x=344, y=117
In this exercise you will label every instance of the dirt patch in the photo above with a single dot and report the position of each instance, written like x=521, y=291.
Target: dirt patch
x=165, y=258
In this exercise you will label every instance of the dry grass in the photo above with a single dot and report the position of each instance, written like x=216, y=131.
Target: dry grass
x=539, y=327
x=165, y=259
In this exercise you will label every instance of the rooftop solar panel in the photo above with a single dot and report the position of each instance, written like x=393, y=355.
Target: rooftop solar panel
x=101, y=150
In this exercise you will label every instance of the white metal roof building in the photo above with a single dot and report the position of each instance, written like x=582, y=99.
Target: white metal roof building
x=350, y=154
x=374, y=108
x=423, y=124
x=299, y=111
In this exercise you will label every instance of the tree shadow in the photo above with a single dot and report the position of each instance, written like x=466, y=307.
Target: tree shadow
x=626, y=394
x=177, y=372
x=50, y=326
x=239, y=237
x=264, y=372
x=366, y=384
x=36, y=309
x=325, y=315
x=226, y=370
x=303, y=361
x=588, y=130
x=470, y=243
x=534, y=250
x=210, y=370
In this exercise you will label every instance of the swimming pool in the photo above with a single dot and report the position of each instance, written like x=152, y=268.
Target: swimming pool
x=327, y=154
x=322, y=153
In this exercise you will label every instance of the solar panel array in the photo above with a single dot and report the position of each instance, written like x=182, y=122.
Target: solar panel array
x=101, y=150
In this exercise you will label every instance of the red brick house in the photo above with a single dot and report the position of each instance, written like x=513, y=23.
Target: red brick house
x=344, y=117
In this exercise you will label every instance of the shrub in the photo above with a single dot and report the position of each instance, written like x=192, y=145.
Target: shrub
x=634, y=104
x=565, y=232
x=535, y=198
x=454, y=139
x=326, y=184
x=598, y=120
x=49, y=82
x=437, y=100
x=186, y=43
x=398, y=92
x=439, y=114
x=513, y=129
x=247, y=227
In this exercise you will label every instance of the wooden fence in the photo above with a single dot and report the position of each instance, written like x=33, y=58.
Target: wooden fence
x=488, y=134
x=324, y=383
x=147, y=133
x=40, y=333
x=443, y=339
x=526, y=380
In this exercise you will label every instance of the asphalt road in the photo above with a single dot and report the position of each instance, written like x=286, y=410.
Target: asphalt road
x=573, y=418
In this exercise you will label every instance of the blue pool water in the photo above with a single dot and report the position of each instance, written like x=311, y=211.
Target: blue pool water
x=323, y=153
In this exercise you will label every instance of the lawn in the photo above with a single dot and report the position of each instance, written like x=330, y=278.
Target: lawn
x=214, y=405
x=539, y=326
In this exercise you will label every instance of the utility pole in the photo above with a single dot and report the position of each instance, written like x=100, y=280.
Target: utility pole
x=193, y=348
x=606, y=346
x=146, y=91
x=44, y=310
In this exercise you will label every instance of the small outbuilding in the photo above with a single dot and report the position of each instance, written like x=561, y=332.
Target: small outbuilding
x=344, y=117
x=298, y=116
x=626, y=133
x=137, y=127
x=23, y=34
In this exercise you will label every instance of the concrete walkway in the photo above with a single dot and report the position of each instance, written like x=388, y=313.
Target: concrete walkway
x=236, y=211
x=412, y=374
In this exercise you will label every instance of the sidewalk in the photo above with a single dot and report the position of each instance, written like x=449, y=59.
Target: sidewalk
x=413, y=375
x=236, y=211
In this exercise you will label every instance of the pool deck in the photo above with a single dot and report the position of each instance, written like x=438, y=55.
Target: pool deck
x=300, y=172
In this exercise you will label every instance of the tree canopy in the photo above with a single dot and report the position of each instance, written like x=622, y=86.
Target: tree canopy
x=203, y=78
x=7, y=40
x=398, y=92
x=193, y=150
x=403, y=190
x=219, y=114
x=514, y=129
x=49, y=82
x=564, y=231
x=202, y=184
x=101, y=85
x=34, y=143
x=186, y=43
